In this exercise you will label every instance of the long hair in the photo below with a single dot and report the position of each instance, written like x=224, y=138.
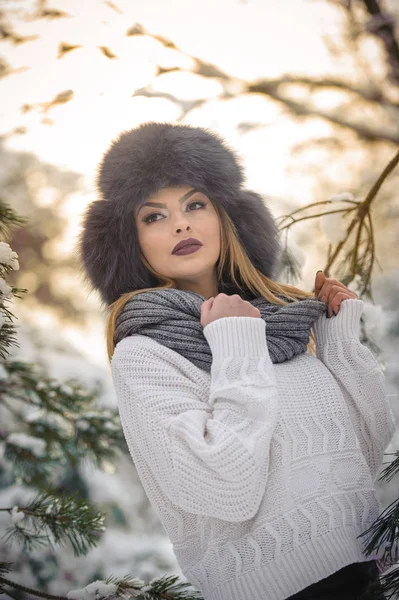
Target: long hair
x=233, y=266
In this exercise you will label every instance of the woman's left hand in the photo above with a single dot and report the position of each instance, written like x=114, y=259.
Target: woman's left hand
x=332, y=292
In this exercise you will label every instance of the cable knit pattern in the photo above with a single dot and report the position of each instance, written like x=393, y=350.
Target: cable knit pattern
x=262, y=474
x=360, y=379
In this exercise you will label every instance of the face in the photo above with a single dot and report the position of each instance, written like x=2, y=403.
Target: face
x=180, y=213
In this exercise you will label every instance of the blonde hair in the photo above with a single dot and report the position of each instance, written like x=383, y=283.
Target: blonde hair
x=233, y=259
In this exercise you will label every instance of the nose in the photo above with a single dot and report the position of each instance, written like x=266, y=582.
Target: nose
x=178, y=230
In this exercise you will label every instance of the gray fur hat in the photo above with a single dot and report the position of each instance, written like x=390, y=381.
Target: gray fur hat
x=139, y=163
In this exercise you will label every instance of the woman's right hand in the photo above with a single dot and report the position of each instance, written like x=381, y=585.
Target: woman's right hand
x=226, y=306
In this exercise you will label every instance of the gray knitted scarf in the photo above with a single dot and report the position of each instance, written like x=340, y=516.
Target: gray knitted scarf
x=172, y=318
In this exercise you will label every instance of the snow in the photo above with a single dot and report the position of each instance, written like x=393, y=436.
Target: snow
x=62, y=361
x=100, y=589
x=342, y=196
x=134, y=542
x=36, y=445
x=17, y=515
x=94, y=591
x=53, y=420
x=8, y=257
x=376, y=321
x=5, y=289
x=82, y=424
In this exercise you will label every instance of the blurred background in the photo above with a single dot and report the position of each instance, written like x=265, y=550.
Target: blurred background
x=306, y=91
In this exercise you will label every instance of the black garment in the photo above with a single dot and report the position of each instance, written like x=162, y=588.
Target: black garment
x=358, y=581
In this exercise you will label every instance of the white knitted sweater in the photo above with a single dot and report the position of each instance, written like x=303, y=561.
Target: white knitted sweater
x=262, y=474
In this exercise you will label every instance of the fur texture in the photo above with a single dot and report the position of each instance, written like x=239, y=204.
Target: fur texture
x=139, y=163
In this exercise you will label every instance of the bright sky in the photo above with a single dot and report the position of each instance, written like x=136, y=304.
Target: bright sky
x=250, y=39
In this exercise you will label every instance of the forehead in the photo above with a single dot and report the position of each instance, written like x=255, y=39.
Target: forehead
x=170, y=193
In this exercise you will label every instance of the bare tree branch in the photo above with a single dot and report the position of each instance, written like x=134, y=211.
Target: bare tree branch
x=370, y=93
x=6, y=33
x=361, y=129
x=382, y=25
x=359, y=264
x=270, y=87
x=185, y=105
x=364, y=211
x=114, y=7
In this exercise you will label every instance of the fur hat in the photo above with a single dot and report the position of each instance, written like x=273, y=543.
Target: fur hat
x=138, y=164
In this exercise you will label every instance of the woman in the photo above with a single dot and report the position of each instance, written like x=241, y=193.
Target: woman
x=258, y=454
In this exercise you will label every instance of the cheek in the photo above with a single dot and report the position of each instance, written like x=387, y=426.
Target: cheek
x=150, y=243
x=212, y=224
x=215, y=231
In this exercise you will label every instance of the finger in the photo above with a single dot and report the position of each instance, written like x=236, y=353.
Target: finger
x=339, y=283
x=207, y=304
x=339, y=297
x=319, y=280
x=343, y=288
x=324, y=294
x=347, y=290
x=334, y=299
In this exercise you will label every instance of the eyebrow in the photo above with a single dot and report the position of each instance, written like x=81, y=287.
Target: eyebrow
x=162, y=205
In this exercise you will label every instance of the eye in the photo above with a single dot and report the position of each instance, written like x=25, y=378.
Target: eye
x=147, y=219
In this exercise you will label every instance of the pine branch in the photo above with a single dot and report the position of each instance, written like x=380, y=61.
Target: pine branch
x=66, y=420
x=289, y=266
x=169, y=588
x=164, y=588
x=60, y=518
x=5, y=567
x=31, y=381
x=9, y=263
x=11, y=595
x=17, y=586
x=9, y=219
x=8, y=338
x=392, y=469
x=384, y=532
x=390, y=583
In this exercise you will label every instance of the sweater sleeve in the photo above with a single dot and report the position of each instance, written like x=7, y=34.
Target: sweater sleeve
x=210, y=456
x=360, y=377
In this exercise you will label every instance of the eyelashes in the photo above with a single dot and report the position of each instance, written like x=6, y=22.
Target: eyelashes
x=148, y=217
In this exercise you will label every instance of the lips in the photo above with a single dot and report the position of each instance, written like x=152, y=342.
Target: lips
x=185, y=243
